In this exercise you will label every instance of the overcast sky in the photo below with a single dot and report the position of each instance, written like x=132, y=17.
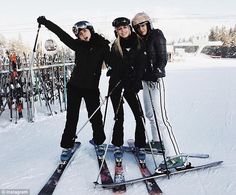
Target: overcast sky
x=176, y=18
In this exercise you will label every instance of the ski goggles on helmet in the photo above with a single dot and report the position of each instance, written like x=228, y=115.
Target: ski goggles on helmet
x=121, y=21
x=140, y=25
x=81, y=25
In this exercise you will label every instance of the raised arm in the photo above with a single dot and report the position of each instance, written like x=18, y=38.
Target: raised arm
x=63, y=36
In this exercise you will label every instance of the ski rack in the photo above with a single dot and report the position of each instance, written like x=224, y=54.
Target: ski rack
x=54, y=91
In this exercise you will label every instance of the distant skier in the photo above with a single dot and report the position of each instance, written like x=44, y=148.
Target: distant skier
x=91, y=50
x=127, y=61
x=155, y=43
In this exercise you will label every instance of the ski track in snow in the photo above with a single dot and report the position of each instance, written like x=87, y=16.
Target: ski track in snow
x=200, y=101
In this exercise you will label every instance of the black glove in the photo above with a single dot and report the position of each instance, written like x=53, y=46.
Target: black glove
x=42, y=20
x=136, y=86
x=132, y=86
x=156, y=74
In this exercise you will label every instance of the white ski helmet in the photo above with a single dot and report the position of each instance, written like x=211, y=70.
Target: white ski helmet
x=140, y=18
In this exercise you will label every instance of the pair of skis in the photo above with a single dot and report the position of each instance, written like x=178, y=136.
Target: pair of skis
x=105, y=174
x=119, y=184
x=106, y=178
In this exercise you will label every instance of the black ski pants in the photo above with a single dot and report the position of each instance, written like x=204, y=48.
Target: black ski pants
x=92, y=102
x=134, y=103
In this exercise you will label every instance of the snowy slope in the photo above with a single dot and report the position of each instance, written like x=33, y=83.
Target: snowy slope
x=201, y=102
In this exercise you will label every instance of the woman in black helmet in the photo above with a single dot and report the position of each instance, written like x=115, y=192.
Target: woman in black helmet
x=127, y=61
x=91, y=50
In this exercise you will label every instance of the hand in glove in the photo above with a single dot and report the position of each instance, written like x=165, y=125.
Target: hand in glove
x=159, y=73
x=156, y=74
x=132, y=85
x=41, y=20
x=109, y=71
x=153, y=84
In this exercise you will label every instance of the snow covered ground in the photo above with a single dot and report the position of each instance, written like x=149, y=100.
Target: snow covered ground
x=201, y=106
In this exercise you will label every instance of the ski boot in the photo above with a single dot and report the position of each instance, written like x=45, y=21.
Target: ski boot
x=174, y=163
x=100, y=150
x=118, y=154
x=141, y=155
x=66, y=154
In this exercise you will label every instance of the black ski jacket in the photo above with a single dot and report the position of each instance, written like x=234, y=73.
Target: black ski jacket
x=155, y=43
x=127, y=61
x=89, y=57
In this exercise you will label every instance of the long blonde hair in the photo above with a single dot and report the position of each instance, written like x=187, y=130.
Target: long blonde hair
x=117, y=45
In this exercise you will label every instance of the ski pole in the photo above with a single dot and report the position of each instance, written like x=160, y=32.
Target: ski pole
x=32, y=108
x=143, y=121
x=158, y=131
x=118, y=83
x=58, y=86
x=36, y=39
x=64, y=80
x=106, y=149
x=105, y=113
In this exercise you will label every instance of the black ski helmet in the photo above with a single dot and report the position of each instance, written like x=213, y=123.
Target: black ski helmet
x=121, y=21
x=82, y=25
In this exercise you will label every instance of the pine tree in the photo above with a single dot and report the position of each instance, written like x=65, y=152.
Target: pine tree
x=212, y=35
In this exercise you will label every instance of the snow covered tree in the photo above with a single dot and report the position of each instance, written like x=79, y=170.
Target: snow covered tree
x=228, y=37
x=212, y=36
x=2, y=44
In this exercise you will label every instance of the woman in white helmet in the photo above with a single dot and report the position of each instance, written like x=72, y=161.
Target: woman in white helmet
x=155, y=43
